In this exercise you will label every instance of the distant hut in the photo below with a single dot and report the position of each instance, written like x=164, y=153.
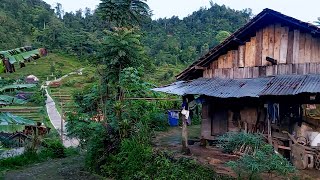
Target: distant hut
x=32, y=79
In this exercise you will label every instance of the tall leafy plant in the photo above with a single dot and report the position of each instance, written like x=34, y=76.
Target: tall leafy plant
x=124, y=13
x=259, y=157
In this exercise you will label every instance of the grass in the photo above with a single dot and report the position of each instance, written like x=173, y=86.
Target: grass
x=42, y=67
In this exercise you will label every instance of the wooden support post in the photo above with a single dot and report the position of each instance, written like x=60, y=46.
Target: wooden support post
x=61, y=130
x=185, y=148
x=184, y=135
x=269, y=132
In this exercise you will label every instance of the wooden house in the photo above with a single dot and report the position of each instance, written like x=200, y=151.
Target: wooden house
x=263, y=78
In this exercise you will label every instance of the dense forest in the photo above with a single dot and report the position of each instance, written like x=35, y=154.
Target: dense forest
x=168, y=41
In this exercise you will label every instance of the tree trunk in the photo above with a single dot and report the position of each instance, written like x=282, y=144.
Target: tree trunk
x=185, y=148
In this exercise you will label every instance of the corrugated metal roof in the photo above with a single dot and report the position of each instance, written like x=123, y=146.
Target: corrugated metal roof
x=311, y=84
x=216, y=87
x=237, y=88
x=283, y=85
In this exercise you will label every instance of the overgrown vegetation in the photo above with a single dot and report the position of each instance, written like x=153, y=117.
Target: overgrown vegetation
x=258, y=156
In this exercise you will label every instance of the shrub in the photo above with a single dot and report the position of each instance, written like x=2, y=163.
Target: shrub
x=259, y=156
x=158, y=121
x=60, y=64
x=58, y=73
x=54, y=147
x=137, y=160
x=70, y=83
x=234, y=141
x=38, y=98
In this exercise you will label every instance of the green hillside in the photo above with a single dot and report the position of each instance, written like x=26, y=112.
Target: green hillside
x=43, y=68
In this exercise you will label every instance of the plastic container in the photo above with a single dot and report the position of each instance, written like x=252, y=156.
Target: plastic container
x=173, y=118
x=314, y=138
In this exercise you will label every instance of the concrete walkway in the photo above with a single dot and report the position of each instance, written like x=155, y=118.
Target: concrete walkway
x=55, y=117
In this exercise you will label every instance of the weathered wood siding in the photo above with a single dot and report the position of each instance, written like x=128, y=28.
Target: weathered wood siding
x=294, y=51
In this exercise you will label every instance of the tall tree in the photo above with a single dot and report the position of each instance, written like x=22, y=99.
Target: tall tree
x=124, y=13
x=59, y=10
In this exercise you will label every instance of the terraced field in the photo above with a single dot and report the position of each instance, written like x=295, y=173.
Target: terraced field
x=37, y=114
x=63, y=94
x=62, y=97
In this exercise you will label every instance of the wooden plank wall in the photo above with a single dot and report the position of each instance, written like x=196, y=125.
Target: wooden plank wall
x=264, y=71
x=275, y=41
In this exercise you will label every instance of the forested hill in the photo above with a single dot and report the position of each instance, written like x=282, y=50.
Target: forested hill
x=182, y=41
x=168, y=41
x=20, y=20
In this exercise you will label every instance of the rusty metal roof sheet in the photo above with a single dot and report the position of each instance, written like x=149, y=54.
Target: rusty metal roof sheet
x=283, y=85
x=237, y=88
x=216, y=87
x=311, y=84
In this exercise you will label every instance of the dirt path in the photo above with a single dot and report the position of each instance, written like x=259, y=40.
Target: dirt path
x=69, y=168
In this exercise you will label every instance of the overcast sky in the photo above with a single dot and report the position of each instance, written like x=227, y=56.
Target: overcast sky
x=306, y=10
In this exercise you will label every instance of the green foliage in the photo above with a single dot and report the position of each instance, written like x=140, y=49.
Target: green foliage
x=54, y=147
x=231, y=142
x=38, y=97
x=260, y=158
x=222, y=35
x=181, y=41
x=70, y=83
x=158, y=121
x=52, y=68
x=121, y=49
x=137, y=160
x=116, y=131
x=124, y=13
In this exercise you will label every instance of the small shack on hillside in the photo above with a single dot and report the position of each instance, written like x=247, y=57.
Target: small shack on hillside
x=264, y=78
